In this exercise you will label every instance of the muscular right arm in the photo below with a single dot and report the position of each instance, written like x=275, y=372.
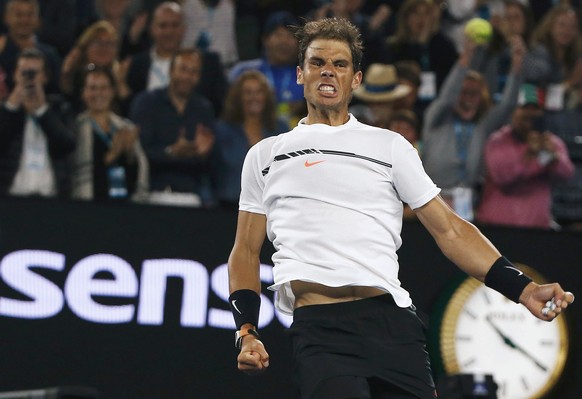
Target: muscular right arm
x=243, y=273
x=243, y=263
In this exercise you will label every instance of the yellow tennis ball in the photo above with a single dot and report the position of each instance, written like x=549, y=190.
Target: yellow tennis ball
x=479, y=30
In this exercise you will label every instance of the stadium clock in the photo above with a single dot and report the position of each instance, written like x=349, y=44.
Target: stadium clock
x=482, y=332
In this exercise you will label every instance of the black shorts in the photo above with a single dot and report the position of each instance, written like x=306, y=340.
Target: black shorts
x=371, y=338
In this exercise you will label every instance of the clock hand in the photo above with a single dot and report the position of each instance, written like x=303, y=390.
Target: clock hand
x=509, y=342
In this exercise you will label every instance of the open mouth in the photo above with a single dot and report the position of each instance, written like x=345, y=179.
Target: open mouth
x=326, y=89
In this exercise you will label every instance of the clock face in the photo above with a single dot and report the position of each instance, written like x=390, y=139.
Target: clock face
x=483, y=332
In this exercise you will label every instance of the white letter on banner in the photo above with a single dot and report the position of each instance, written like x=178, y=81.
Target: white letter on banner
x=154, y=275
x=81, y=286
x=47, y=298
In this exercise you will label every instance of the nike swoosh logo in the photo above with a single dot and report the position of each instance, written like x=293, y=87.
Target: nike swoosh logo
x=234, y=306
x=308, y=164
x=519, y=272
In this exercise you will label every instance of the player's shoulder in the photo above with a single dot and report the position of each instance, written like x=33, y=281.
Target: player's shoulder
x=380, y=135
x=264, y=147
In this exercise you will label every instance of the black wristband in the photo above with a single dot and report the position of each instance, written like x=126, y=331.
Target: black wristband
x=506, y=279
x=245, y=305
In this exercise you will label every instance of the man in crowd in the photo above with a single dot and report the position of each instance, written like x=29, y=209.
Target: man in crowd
x=22, y=19
x=34, y=137
x=150, y=69
x=278, y=64
x=523, y=161
x=175, y=125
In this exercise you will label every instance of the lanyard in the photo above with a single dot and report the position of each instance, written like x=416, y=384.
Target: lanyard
x=425, y=59
x=106, y=138
x=463, y=134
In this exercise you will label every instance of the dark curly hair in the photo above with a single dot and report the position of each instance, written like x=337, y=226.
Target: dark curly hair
x=331, y=29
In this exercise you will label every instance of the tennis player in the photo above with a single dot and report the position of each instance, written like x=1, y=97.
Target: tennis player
x=329, y=194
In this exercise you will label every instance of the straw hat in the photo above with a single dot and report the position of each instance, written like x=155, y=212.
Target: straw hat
x=381, y=84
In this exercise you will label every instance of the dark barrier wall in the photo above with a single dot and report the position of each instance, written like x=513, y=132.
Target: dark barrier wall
x=131, y=300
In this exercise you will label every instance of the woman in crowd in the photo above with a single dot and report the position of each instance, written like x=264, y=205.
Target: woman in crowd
x=557, y=52
x=516, y=19
x=418, y=38
x=97, y=45
x=459, y=121
x=130, y=22
x=108, y=162
x=249, y=115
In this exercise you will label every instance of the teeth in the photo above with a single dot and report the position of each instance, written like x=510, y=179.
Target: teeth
x=326, y=88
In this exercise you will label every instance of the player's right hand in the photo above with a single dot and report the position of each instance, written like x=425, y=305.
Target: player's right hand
x=253, y=358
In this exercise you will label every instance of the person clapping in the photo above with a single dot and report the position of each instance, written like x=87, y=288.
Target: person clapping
x=109, y=162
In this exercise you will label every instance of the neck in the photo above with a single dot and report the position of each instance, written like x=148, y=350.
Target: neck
x=253, y=123
x=164, y=53
x=23, y=42
x=178, y=100
x=101, y=117
x=253, y=120
x=560, y=53
x=327, y=117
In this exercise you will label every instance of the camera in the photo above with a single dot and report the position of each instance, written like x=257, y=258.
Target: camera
x=29, y=74
x=538, y=124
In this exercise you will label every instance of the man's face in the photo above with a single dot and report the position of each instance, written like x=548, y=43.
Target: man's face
x=523, y=119
x=21, y=19
x=281, y=47
x=418, y=20
x=185, y=74
x=328, y=75
x=167, y=29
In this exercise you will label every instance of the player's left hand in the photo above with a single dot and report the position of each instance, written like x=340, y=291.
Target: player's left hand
x=546, y=301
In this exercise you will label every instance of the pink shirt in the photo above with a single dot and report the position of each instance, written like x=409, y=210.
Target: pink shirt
x=517, y=188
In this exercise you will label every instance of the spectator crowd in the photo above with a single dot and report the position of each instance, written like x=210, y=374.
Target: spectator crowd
x=158, y=102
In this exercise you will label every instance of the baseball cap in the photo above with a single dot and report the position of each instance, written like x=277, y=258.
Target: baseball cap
x=530, y=94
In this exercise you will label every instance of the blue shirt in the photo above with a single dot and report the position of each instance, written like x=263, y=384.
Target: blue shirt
x=230, y=148
x=282, y=78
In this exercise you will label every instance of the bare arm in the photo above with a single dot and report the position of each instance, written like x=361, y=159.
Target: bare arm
x=243, y=263
x=462, y=243
x=459, y=240
x=243, y=273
